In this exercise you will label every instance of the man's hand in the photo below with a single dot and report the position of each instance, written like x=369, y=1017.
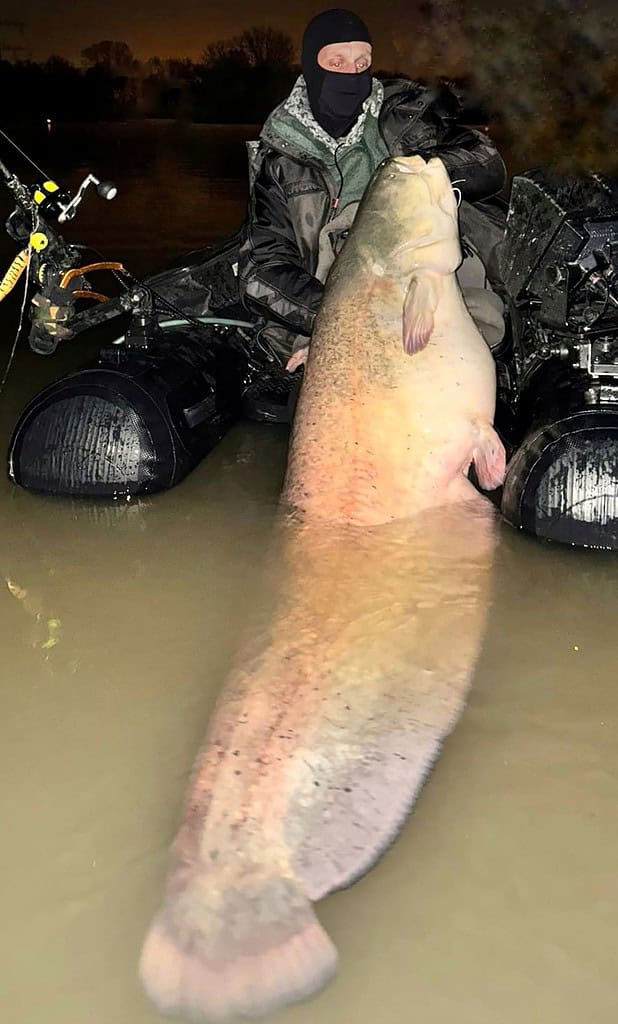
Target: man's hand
x=299, y=358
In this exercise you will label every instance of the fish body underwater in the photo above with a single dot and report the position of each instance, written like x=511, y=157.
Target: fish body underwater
x=344, y=691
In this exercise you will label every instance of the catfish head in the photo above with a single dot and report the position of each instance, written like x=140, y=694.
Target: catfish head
x=407, y=230
x=408, y=220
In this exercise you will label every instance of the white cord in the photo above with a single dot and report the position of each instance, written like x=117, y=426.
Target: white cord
x=457, y=191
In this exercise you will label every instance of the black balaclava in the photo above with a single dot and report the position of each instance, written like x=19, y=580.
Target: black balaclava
x=335, y=98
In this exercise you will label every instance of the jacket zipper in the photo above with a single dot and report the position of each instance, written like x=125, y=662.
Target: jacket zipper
x=334, y=206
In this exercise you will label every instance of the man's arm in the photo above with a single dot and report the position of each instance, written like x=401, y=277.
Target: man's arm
x=471, y=160
x=273, y=281
x=469, y=156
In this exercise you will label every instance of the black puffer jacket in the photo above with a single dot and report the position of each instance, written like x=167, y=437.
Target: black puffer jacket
x=292, y=199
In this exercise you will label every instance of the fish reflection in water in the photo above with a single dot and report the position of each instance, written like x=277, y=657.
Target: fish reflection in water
x=350, y=677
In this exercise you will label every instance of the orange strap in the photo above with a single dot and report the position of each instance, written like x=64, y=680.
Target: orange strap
x=95, y=296
x=70, y=274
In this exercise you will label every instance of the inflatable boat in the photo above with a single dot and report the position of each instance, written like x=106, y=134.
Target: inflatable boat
x=187, y=361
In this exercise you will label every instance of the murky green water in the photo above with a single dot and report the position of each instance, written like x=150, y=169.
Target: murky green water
x=117, y=624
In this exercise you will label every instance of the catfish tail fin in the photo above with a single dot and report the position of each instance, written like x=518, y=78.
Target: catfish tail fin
x=246, y=946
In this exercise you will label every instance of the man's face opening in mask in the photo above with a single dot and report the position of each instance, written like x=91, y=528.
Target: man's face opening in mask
x=336, y=61
x=345, y=58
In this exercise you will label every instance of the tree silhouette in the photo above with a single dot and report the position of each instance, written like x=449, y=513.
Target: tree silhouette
x=260, y=46
x=267, y=47
x=222, y=53
x=117, y=57
x=242, y=78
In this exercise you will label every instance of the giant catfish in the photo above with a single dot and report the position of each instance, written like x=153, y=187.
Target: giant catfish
x=342, y=695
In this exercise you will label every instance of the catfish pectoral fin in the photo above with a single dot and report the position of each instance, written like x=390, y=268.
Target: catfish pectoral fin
x=218, y=950
x=489, y=457
x=419, y=308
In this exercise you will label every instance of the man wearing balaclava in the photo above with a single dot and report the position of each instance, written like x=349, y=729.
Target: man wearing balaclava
x=316, y=155
x=336, y=62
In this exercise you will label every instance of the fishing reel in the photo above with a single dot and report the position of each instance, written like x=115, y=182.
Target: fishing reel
x=48, y=202
x=104, y=189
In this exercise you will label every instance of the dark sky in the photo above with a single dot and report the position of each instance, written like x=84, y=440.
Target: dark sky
x=164, y=28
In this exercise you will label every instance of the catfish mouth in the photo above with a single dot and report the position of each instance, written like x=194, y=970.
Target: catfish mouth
x=409, y=170
x=416, y=245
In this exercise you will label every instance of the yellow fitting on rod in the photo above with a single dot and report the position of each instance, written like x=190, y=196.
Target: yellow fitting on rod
x=39, y=241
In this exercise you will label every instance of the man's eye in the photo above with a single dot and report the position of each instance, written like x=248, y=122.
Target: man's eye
x=362, y=64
